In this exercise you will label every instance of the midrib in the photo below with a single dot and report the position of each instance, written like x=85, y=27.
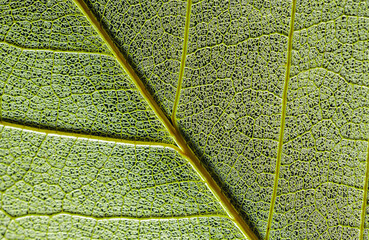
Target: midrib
x=283, y=117
x=186, y=152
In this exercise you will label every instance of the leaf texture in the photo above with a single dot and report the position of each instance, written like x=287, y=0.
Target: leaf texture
x=49, y=174
x=203, y=119
x=59, y=177
x=230, y=107
x=150, y=35
x=80, y=92
x=75, y=227
x=48, y=25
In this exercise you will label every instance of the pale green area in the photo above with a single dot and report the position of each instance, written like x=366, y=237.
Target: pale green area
x=56, y=73
x=320, y=191
x=80, y=92
x=75, y=227
x=150, y=34
x=330, y=58
x=46, y=174
x=321, y=181
x=231, y=104
x=51, y=24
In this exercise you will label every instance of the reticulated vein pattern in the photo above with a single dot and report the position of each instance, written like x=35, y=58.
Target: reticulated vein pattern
x=150, y=34
x=66, y=226
x=230, y=106
x=48, y=174
x=56, y=73
x=325, y=142
x=55, y=24
x=78, y=92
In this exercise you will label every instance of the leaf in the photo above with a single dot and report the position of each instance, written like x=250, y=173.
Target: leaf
x=53, y=181
x=82, y=153
x=174, y=119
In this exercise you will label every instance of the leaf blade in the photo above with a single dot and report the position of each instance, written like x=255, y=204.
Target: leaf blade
x=97, y=178
x=87, y=228
x=63, y=90
x=174, y=132
x=317, y=141
x=54, y=25
x=231, y=104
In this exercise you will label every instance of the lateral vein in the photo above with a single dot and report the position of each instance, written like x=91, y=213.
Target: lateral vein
x=283, y=117
x=55, y=50
x=365, y=195
x=183, y=62
x=86, y=136
x=114, y=218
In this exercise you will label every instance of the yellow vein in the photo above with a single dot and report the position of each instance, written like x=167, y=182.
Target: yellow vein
x=174, y=132
x=183, y=62
x=363, y=209
x=284, y=107
x=116, y=218
x=87, y=136
x=55, y=50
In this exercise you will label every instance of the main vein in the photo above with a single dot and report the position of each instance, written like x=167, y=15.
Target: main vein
x=173, y=131
x=183, y=62
x=283, y=117
x=363, y=209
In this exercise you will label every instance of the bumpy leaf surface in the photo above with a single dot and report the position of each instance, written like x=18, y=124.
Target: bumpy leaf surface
x=271, y=95
x=230, y=107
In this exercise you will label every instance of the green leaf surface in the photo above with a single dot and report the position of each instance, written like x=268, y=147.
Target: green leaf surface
x=80, y=92
x=63, y=226
x=203, y=119
x=48, y=174
x=48, y=25
x=150, y=35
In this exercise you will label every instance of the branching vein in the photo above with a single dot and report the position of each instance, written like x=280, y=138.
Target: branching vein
x=173, y=131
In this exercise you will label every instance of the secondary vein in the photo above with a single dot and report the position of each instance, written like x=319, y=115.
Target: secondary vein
x=183, y=62
x=86, y=136
x=55, y=50
x=116, y=218
x=283, y=117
